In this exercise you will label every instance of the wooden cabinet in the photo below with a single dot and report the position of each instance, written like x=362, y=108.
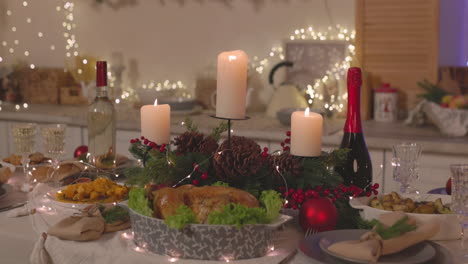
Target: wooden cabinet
x=397, y=42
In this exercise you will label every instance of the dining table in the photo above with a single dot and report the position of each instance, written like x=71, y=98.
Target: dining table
x=21, y=238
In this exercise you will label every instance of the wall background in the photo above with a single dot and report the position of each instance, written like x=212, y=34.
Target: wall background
x=453, y=34
x=170, y=39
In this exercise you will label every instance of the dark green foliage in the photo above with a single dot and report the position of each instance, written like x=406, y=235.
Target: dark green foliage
x=217, y=131
x=191, y=127
x=433, y=92
x=116, y=213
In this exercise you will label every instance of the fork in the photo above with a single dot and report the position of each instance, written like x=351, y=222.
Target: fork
x=310, y=232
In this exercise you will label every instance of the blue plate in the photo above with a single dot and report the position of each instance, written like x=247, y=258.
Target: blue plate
x=438, y=191
x=310, y=247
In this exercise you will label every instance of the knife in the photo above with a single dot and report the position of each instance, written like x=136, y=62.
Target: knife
x=13, y=206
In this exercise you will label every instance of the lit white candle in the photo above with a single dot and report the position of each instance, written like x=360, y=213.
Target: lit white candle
x=156, y=122
x=231, y=84
x=306, y=133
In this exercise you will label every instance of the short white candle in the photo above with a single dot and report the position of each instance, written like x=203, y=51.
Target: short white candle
x=231, y=84
x=156, y=122
x=306, y=133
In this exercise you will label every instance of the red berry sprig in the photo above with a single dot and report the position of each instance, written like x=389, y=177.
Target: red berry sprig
x=149, y=143
x=265, y=152
x=286, y=142
x=295, y=198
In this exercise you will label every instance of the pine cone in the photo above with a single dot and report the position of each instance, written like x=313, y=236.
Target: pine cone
x=243, y=159
x=195, y=142
x=286, y=164
x=188, y=142
x=208, y=146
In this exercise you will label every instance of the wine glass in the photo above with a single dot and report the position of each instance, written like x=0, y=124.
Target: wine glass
x=460, y=199
x=53, y=138
x=405, y=165
x=24, y=139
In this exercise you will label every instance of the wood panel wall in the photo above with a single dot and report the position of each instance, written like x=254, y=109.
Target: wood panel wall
x=397, y=42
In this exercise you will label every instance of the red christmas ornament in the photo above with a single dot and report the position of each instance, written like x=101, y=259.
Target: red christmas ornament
x=448, y=186
x=319, y=214
x=79, y=151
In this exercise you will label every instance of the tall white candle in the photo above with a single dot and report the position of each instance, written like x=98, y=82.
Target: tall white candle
x=306, y=133
x=231, y=84
x=156, y=122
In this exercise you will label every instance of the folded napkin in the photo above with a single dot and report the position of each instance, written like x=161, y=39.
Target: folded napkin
x=21, y=211
x=371, y=246
x=87, y=225
x=65, y=169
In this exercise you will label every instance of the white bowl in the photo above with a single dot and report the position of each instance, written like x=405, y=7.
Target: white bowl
x=450, y=228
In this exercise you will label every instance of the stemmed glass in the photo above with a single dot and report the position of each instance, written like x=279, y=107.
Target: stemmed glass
x=405, y=165
x=24, y=138
x=53, y=137
x=460, y=199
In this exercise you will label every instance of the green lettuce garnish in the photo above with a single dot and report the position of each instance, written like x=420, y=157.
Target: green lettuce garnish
x=183, y=216
x=220, y=183
x=272, y=202
x=138, y=202
x=238, y=215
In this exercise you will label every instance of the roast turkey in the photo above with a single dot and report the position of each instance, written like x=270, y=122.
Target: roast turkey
x=202, y=200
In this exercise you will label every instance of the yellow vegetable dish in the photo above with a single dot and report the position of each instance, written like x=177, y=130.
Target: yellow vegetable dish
x=101, y=190
x=393, y=202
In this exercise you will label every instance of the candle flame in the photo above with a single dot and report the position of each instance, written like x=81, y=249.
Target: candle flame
x=306, y=113
x=155, y=102
x=232, y=57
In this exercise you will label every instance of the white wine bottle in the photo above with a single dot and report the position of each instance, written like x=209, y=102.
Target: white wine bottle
x=101, y=123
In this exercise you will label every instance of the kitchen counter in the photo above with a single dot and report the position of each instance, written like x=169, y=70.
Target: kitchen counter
x=258, y=127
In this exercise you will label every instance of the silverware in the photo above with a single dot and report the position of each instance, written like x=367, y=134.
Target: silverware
x=310, y=231
x=288, y=257
x=13, y=206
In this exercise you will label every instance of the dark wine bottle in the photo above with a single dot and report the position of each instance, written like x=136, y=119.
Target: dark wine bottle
x=357, y=170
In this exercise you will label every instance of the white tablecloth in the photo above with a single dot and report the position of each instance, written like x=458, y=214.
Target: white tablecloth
x=18, y=236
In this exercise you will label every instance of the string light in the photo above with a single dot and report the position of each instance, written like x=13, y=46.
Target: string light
x=257, y=64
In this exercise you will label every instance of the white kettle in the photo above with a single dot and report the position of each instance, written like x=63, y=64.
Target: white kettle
x=285, y=95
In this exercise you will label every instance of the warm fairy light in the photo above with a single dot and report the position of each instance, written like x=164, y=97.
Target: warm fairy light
x=32, y=66
x=172, y=259
x=258, y=64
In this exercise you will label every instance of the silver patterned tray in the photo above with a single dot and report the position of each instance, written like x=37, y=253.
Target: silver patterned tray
x=208, y=242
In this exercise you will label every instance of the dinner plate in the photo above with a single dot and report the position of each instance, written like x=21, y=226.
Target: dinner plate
x=5, y=189
x=416, y=254
x=438, y=191
x=309, y=248
x=52, y=195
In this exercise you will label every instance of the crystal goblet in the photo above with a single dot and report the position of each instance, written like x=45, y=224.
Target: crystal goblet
x=24, y=139
x=405, y=165
x=53, y=138
x=460, y=200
